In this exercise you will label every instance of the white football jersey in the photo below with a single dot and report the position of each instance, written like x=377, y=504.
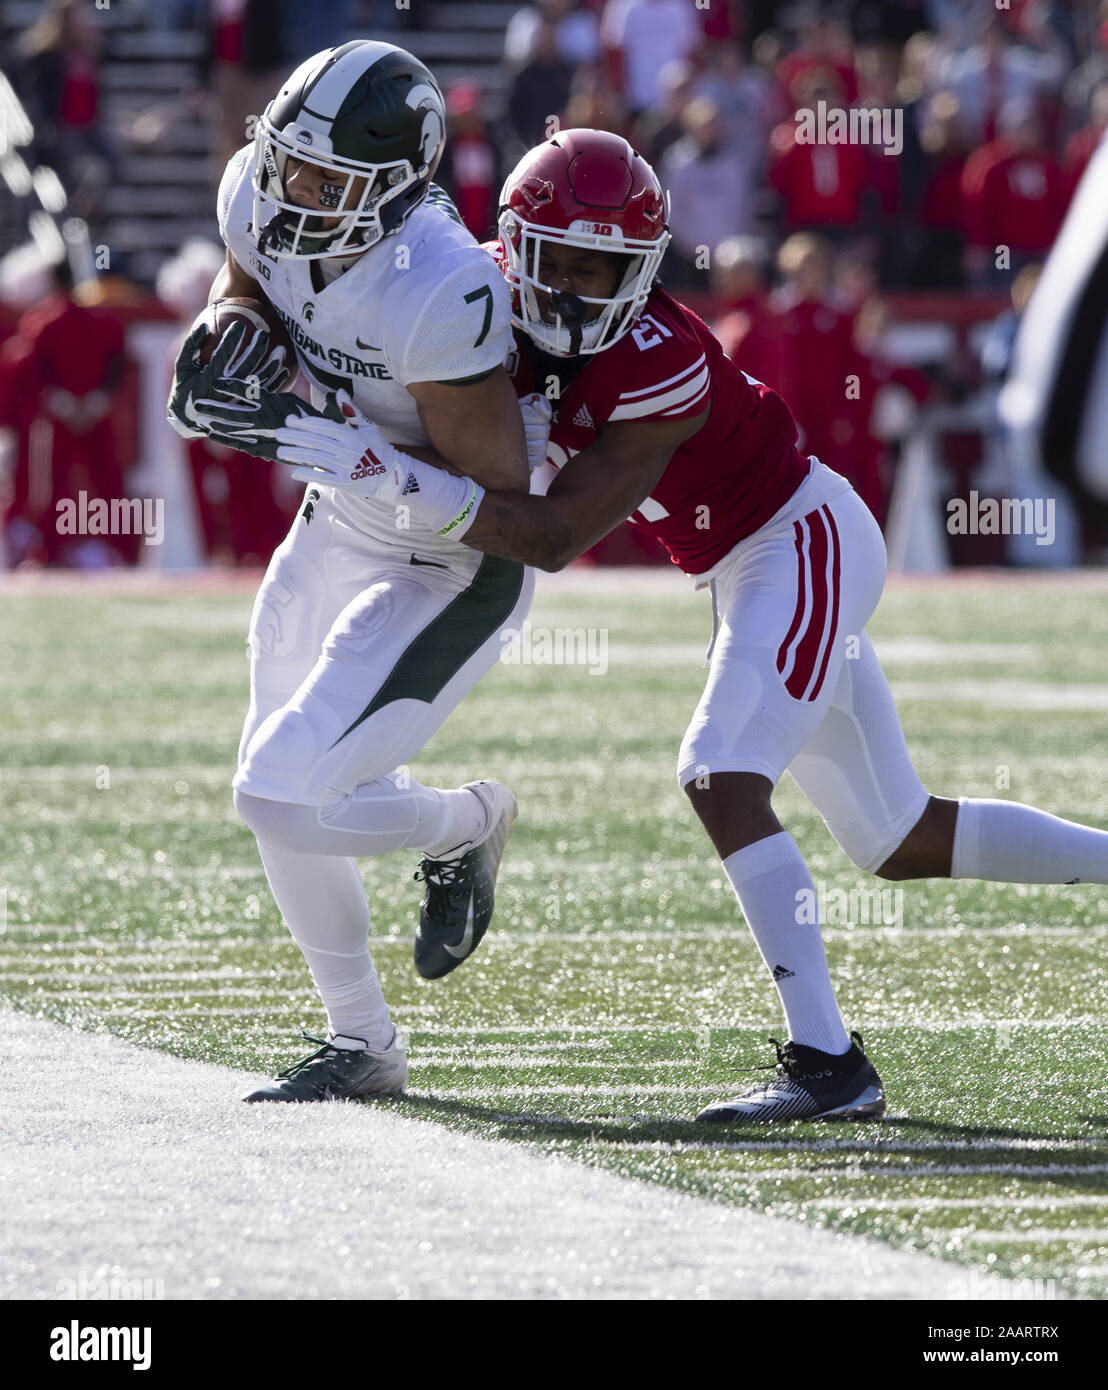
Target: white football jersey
x=426, y=304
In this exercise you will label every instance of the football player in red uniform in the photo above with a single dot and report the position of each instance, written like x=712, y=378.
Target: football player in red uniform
x=655, y=425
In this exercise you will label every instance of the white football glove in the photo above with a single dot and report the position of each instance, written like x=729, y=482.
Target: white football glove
x=351, y=453
x=537, y=414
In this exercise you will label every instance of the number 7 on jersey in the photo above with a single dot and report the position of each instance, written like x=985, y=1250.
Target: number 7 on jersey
x=485, y=293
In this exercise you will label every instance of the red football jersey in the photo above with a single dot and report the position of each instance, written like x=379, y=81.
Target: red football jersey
x=721, y=485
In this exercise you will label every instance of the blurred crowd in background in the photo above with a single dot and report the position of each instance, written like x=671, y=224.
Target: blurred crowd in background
x=798, y=253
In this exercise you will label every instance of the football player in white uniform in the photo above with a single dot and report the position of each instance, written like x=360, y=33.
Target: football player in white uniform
x=370, y=626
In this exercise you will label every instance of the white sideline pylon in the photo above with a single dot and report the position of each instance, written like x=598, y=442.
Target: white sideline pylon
x=161, y=471
x=914, y=536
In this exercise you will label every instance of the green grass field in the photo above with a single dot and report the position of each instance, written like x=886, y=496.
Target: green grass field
x=619, y=989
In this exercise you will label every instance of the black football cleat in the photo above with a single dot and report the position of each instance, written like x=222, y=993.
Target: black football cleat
x=457, y=906
x=339, y=1073
x=810, y=1085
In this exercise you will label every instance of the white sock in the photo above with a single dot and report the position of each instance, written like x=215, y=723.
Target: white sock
x=383, y=815
x=322, y=899
x=391, y=813
x=766, y=877
x=1010, y=843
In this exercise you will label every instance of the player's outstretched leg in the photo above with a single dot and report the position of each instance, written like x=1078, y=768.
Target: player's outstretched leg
x=335, y=1072
x=458, y=904
x=999, y=842
x=810, y=1085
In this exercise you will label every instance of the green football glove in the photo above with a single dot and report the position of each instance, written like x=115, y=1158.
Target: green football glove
x=237, y=361
x=249, y=419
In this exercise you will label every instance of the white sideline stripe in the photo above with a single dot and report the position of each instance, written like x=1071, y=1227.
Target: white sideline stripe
x=1012, y=694
x=299, y=995
x=1086, y=1235
x=152, y=1166
x=533, y=938
x=876, y=1146
x=927, y=1170
x=1059, y=1203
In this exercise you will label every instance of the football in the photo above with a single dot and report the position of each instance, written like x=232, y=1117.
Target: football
x=255, y=313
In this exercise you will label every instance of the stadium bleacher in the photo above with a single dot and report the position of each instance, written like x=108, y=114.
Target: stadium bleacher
x=162, y=193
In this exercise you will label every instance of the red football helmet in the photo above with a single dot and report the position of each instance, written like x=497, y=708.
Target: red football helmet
x=584, y=188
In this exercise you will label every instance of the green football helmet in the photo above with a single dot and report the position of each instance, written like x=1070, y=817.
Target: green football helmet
x=364, y=112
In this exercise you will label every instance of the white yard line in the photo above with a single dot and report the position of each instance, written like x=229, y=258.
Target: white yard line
x=874, y=1173
x=879, y=1144
x=122, y=948
x=1005, y=694
x=1087, y=1235
x=1061, y=1202
x=122, y=1162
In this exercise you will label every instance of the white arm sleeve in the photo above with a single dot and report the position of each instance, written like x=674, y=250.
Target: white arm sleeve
x=238, y=166
x=459, y=327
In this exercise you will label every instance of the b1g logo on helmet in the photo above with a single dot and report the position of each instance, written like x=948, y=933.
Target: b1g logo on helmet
x=593, y=228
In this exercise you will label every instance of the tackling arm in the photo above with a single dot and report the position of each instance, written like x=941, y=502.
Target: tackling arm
x=596, y=490
x=476, y=429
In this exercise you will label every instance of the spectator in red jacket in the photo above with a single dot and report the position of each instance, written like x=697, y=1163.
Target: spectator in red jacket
x=67, y=363
x=1013, y=196
x=882, y=409
x=824, y=44
x=817, y=352
x=470, y=166
x=749, y=331
x=821, y=185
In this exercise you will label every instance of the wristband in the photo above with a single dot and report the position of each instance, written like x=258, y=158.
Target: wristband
x=464, y=514
x=441, y=501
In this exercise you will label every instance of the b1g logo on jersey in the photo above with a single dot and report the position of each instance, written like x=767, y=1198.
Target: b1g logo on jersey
x=260, y=266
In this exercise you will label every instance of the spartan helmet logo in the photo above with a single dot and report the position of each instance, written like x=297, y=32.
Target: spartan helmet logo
x=308, y=311
x=426, y=99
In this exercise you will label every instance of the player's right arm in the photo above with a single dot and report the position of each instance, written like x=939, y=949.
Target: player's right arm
x=595, y=491
x=232, y=282
x=191, y=380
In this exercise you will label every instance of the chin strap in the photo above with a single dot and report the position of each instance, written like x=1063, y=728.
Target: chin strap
x=571, y=310
x=269, y=238
x=273, y=236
